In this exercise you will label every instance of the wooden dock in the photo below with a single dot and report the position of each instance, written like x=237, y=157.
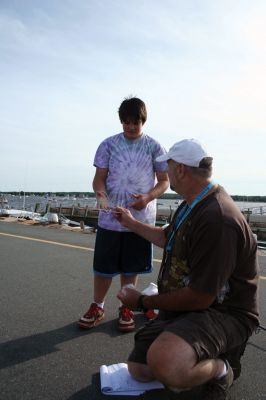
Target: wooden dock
x=86, y=214
x=89, y=216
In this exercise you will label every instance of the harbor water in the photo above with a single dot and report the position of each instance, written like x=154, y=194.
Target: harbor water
x=32, y=203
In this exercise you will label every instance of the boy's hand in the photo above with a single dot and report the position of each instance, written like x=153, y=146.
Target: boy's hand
x=102, y=200
x=141, y=201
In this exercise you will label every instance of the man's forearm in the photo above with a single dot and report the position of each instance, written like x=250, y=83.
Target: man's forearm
x=183, y=299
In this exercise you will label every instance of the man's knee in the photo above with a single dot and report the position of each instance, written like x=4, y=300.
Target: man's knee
x=141, y=372
x=171, y=359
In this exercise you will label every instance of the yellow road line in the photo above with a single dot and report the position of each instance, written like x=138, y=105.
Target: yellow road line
x=68, y=245
x=73, y=246
x=47, y=241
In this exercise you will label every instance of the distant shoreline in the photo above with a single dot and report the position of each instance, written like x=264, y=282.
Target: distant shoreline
x=244, y=198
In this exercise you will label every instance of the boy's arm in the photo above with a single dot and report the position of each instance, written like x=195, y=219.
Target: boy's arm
x=99, y=187
x=161, y=186
x=143, y=199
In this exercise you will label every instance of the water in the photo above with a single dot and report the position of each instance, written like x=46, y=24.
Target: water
x=29, y=203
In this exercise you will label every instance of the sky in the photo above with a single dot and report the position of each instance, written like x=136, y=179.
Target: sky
x=65, y=67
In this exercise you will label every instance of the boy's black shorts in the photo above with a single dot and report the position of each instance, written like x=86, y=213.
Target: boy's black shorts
x=121, y=253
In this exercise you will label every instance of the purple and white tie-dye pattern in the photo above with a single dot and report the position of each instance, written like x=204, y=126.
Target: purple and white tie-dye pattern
x=132, y=167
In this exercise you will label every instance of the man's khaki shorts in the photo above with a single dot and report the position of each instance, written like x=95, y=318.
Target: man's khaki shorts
x=211, y=333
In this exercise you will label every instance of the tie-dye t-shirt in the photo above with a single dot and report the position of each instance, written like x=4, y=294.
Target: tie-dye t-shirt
x=132, y=167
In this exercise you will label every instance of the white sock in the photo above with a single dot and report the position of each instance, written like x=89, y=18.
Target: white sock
x=100, y=304
x=223, y=373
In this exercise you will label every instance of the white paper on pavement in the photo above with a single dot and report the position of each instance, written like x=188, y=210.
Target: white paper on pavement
x=116, y=380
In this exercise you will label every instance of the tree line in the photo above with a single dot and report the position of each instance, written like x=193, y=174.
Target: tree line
x=170, y=196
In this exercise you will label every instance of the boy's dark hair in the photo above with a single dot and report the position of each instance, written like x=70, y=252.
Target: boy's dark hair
x=132, y=109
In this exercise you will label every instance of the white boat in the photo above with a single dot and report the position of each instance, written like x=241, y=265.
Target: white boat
x=18, y=213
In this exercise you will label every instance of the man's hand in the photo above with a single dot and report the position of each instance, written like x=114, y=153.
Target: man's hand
x=141, y=201
x=102, y=200
x=123, y=215
x=129, y=297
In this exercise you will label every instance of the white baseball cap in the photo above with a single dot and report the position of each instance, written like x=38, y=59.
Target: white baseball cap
x=188, y=151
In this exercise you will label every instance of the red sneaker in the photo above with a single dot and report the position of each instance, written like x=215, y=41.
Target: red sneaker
x=151, y=314
x=126, y=321
x=92, y=317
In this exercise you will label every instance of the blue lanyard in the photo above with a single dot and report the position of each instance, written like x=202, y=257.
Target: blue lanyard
x=182, y=215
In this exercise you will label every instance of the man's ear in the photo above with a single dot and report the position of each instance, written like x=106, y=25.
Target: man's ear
x=182, y=169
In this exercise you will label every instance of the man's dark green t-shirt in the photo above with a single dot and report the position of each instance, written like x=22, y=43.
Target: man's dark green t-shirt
x=214, y=251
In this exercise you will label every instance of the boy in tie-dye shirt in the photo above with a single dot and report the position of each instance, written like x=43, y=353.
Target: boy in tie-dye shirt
x=126, y=175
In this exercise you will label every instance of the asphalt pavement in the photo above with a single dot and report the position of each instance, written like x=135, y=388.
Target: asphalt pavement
x=46, y=284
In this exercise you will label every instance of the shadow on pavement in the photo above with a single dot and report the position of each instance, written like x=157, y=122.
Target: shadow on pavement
x=93, y=392
x=34, y=346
